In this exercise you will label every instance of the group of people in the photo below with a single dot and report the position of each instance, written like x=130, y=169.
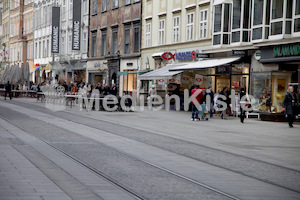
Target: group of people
x=88, y=89
x=202, y=98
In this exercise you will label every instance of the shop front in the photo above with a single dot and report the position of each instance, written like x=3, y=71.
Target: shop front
x=128, y=75
x=96, y=72
x=229, y=72
x=275, y=69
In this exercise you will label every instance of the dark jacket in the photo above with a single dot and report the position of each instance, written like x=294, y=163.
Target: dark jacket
x=114, y=90
x=211, y=94
x=7, y=87
x=227, y=101
x=290, y=108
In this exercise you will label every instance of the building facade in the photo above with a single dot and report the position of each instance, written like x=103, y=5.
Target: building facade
x=19, y=41
x=73, y=62
x=115, y=59
x=68, y=64
x=174, y=31
x=42, y=41
x=5, y=32
x=265, y=33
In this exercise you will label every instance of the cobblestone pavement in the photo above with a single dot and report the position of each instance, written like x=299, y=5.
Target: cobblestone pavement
x=169, y=160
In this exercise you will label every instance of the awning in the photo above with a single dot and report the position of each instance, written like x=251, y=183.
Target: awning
x=162, y=73
x=205, y=64
x=159, y=54
x=34, y=70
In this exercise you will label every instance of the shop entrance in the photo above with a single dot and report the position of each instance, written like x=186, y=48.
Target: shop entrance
x=280, y=86
x=221, y=82
x=98, y=79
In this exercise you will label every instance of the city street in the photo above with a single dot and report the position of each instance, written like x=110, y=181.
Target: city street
x=73, y=154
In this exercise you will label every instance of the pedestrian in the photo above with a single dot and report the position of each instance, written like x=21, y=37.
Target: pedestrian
x=195, y=111
x=290, y=105
x=65, y=87
x=151, y=95
x=106, y=90
x=74, y=89
x=224, y=93
x=243, y=112
x=7, y=90
x=114, y=90
x=209, y=95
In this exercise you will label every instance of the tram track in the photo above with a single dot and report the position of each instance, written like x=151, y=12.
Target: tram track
x=93, y=121
x=164, y=169
x=102, y=175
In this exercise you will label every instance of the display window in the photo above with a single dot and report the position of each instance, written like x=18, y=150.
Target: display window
x=261, y=84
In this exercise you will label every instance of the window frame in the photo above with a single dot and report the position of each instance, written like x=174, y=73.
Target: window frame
x=84, y=41
x=127, y=28
x=127, y=2
x=263, y=25
x=114, y=49
x=135, y=39
x=104, y=8
x=176, y=29
x=202, y=23
x=190, y=27
x=148, y=35
x=161, y=32
x=94, y=44
x=295, y=17
x=115, y=4
x=103, y=47
x=94, y=7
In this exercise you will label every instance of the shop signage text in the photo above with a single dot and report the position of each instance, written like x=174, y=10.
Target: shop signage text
x=238, y=52
x=202, y=55
x=76, y=24
x=97, y=64
x=189, y=55
x=222, y=70
x=286, y=50
x=55, y=29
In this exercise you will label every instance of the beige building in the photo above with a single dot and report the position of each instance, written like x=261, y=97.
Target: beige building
x=5, y=31
x=181, y=28
x=21, y=34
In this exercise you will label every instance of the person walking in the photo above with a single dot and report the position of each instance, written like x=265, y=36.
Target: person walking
x=224, y=92
x=7, y=90
x=290, y=105
x=195, y=111
x=209, y=95
x=243, y=112
x=151, y=95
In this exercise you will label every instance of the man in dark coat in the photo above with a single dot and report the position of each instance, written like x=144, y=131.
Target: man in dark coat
x=114, y=90
x=290, y=105
x=7, y=90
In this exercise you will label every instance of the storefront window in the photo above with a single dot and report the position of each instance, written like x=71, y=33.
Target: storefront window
x=261, y=90
x=240, y=77
x=129, y=82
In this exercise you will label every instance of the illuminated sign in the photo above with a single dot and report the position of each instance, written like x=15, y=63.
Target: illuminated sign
x=188, y=55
